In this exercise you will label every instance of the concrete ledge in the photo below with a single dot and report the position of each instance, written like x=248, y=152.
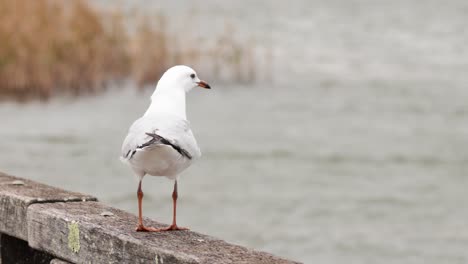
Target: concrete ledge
x=16, y=194
x=72, y=227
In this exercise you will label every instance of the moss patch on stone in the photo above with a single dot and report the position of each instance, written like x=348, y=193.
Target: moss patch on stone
x=74, y=237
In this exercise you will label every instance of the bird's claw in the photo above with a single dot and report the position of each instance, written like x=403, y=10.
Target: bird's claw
x=173, y=228
x=142, y=228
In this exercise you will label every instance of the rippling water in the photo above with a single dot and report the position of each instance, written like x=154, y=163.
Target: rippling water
x=355, y=151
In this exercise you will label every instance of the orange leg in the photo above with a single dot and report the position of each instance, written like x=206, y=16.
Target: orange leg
x=141, y=227
x=174, y=218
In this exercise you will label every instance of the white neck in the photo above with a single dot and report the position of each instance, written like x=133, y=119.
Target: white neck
x=168, y=101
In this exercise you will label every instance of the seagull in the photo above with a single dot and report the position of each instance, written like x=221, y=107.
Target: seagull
x=161, y=143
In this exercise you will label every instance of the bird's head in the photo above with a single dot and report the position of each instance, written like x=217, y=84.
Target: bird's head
x=182, y=76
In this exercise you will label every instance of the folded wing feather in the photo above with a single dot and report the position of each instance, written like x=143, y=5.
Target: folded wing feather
x=148, y=132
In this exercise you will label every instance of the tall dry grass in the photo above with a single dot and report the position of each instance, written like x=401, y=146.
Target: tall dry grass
x=49, y=47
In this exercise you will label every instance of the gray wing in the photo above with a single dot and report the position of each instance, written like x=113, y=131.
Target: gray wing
x=149, y=132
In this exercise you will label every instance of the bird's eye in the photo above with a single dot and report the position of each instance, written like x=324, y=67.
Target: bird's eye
x=192, y=75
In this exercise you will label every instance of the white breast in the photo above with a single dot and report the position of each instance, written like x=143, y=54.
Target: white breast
x=161, y=160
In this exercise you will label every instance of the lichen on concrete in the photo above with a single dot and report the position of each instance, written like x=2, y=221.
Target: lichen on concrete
x=74, y=237
x=159, y=259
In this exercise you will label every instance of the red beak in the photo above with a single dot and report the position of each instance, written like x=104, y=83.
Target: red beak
x=204, y=85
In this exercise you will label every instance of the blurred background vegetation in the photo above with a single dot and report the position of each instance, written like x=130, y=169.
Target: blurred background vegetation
x=53, y=47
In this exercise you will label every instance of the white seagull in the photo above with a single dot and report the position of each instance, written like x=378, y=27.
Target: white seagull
x=161, y=143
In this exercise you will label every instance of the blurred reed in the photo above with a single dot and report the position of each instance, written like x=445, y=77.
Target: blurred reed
x=51, y=47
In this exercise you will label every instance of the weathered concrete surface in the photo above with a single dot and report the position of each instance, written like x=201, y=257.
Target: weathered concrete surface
x=16, y=194
x=74, y=227
x=112, y=239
